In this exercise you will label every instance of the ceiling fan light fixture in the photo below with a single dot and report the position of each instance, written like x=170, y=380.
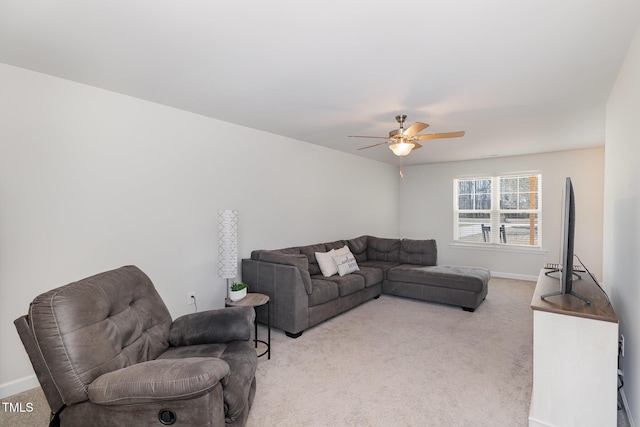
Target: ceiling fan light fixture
x=402, y=141
x=402, y=149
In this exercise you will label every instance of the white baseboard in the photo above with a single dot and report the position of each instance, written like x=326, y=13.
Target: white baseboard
x=18, y=386
x=533, y=422
x=514, y=276
x=626, y=408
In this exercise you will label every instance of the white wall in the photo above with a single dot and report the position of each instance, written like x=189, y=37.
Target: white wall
x=91, y=180
x=426, y=209
x=622, y=217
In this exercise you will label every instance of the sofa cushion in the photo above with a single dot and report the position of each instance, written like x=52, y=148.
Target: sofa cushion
x=381, y=249
x=452, y=276
x=372, y=275
x=422, y=252
x=310, y=252
x=338, y=244
x=322, y=291
x=347, y=285
x=297, y=260
x=257, y=254
x=383, y=266
x=358, y=247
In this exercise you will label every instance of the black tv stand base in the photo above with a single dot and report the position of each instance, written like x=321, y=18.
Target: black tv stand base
x=575, y=294
x=550, y=272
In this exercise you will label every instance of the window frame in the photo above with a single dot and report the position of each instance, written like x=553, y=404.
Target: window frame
x=495, y=211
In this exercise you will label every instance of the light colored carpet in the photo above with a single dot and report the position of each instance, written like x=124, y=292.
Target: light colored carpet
x=38, y=416
x=392, y=361
x=396, y=361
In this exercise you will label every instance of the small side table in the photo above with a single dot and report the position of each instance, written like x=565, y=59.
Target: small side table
x=256, y=300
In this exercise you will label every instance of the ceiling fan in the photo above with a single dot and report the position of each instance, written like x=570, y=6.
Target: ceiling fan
x=404, y=140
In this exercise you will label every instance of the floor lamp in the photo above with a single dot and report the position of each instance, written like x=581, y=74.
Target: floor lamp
x=228, y=244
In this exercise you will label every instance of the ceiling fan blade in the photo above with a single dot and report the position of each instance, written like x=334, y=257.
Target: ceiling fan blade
x=364, y=136
x=394, y=134
x=374, y=145
x=416, y=145
x=440, y=135
x=415, y=128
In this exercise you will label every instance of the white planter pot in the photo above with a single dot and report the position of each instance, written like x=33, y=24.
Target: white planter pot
x=237, y=295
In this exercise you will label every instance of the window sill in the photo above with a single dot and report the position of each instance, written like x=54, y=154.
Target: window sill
x=499, y=248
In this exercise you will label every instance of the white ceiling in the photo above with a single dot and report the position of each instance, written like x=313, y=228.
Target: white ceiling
x=519, y=76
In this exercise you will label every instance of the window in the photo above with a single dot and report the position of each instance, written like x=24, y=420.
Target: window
x=498, y=210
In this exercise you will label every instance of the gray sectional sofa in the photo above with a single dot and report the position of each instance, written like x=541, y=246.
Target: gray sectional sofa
x=301, y=296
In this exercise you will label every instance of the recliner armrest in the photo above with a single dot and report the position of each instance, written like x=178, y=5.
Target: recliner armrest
x=213, y=326
x=158, y=380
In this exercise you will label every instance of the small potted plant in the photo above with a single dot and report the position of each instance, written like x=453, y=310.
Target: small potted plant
x=238, y=291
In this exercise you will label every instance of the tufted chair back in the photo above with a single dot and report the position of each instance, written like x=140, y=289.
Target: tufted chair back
x=85, y=329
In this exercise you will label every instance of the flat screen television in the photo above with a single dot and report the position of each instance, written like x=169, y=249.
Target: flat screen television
x=568, y=231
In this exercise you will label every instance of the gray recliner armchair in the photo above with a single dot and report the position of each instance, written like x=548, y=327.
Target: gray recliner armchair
x=107, y=353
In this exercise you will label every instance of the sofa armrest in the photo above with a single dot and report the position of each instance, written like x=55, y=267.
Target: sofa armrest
x=213, y=326
x=285, y=285
x=299, y=261
x=158, y=380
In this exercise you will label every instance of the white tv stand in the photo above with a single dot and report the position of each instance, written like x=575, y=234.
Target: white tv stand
x=575, y=357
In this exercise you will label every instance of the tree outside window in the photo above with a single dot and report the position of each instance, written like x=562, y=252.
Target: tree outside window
x=498, y=210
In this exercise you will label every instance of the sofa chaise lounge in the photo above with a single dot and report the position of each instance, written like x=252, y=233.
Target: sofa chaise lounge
x=302, y=296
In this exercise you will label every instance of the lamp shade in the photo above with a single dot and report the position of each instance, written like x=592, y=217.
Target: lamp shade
x=402, y=148
x=228, y=243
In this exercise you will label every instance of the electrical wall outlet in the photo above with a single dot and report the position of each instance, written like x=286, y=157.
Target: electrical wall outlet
x=191, y=298
x=621, y=345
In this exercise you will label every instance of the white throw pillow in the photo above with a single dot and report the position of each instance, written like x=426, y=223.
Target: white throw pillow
x=342, y=251
x=346, y=264
x=326, y=263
